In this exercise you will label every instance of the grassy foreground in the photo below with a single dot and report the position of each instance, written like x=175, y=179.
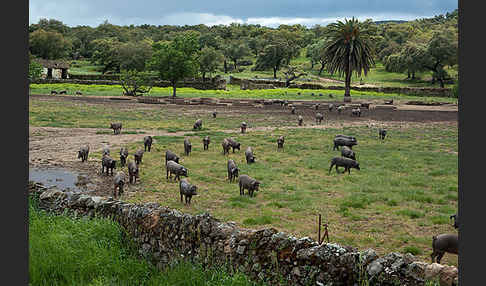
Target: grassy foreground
x=79, y=251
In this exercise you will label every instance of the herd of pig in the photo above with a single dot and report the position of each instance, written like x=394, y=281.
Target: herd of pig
x=441, y=243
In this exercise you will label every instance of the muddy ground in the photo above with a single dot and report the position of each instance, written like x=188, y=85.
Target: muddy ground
x=57, y=147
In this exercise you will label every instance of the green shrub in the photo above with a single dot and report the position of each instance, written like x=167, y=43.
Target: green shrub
x=412, y=250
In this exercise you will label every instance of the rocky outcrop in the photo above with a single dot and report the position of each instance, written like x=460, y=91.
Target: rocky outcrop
x=165, y=234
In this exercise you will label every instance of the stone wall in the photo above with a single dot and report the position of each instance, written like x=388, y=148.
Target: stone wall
x=245, y=84
x=197, y=84
x=95, y=76
x=416, y=91
x=165, y=234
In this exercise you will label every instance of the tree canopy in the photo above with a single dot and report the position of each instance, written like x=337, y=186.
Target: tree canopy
x=175, y=60
x=349, y=49
x=399, y=45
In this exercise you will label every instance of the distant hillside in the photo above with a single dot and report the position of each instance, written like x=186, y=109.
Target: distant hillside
x=390, y=21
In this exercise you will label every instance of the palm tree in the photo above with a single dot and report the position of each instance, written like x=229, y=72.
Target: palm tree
x=349, y=49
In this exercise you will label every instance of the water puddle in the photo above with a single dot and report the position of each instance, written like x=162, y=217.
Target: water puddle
x=61, y=178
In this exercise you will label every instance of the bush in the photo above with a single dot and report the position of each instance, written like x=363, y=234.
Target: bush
x=413, y=250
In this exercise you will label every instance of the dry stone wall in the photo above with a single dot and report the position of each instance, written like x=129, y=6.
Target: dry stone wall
x=218, y=84
x=416, y=91
x=268, y=255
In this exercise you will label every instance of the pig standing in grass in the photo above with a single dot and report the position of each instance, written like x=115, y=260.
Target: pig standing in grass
x=138, y=157
x=300, y=120
x=108, y=163
x=247, y=182
x=116, y=127
x=171, y=156
x=132, y=172
x=243, y=127
x=234, y=145
x=187, y=146
x=198, y=124
x=176, y=169
x=232, y=170
x=187, y=190
x=250, y=158
x=206, y=142
x=119, y=183
x=382, y=133
x=226, y=146
x=123, y=156
x=147, y=143
x=319, y=118
x=348, y=153
x=344, y=162
x=352, y=138
x=443, y=243
x=342, y=141
x=280, y=142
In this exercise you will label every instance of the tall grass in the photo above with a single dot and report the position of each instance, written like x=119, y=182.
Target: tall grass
x=64, y=250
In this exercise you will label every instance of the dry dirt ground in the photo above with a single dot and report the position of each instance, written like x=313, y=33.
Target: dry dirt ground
x=57, y=147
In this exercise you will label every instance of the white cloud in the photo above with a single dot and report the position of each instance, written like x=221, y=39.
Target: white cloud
x=198, y=18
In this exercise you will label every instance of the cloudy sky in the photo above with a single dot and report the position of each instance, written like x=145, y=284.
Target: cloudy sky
x=264, y=12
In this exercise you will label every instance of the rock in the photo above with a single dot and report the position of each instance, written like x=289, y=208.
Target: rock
x=240, y=249
x=367, y=256
x=416, y=270
x=397, y=265
x=243, y=242
x=374, y=268
x=53, y=193
x=432, y=270
x=448, y=275
x=296, y=271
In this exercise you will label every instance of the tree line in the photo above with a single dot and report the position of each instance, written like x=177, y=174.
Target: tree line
x=408, y=47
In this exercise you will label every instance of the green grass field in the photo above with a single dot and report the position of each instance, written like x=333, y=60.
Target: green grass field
x=403, y=194
x=80, y=67
x=64, y=250
x=234, y=92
